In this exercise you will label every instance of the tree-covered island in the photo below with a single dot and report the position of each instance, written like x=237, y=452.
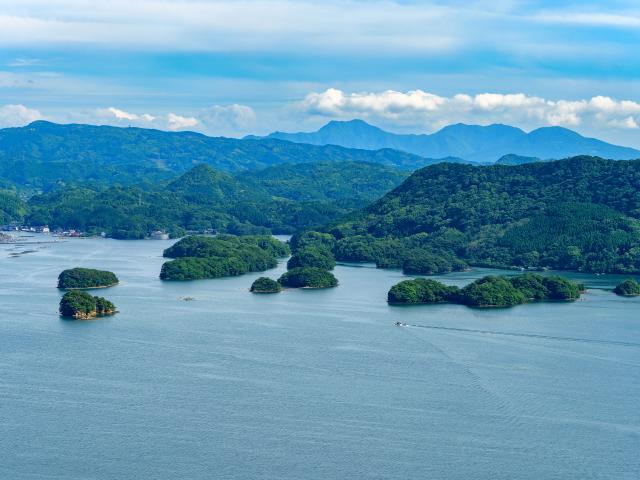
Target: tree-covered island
x=199, y=257
x=85, y=278
x=83, y=306
x=488, y=292
x=265, y=285
x=311, y=261
x=628, y=288
x=308, y=277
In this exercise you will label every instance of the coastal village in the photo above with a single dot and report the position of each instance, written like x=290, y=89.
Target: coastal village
x=44, y=229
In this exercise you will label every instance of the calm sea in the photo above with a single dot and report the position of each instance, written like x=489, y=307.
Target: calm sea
x=306, y=384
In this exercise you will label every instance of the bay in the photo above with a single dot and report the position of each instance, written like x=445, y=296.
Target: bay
x=307, y=384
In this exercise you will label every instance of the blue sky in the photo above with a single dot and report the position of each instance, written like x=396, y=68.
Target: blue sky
x=237, y=67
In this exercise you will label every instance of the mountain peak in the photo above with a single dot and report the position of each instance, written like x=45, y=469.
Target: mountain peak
x=556, y=132
x=494, y=128
x=479, y=143
x=42, y=124
x=349, y=125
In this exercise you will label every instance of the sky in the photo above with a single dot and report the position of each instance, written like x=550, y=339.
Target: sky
x=254, y=66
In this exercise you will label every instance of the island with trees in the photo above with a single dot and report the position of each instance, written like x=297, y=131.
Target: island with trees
x=200, y=257
x=83, y=306
x=491, y=291
x=421, y=290
x=86, y=278
x=265, y=285
x=311, y=262
x=308, y=277
x=628, y=288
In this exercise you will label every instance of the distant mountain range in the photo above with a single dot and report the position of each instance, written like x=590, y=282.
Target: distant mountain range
x=470, y=142
x=44, y=154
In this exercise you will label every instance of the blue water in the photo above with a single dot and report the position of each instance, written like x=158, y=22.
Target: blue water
x=307, y=384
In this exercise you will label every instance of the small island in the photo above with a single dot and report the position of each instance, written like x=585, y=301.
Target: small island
x=82, y=306
x=420, y=290
x=308, y=277
x=85, y=278
x=199, y=257
x=628, y=288
x=265, y=285
x=489, y=292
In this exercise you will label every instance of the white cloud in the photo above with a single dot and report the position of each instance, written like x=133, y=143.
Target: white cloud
x=127, y=116
x=225, y=118
x=116, y=116
x=629, y=123
x=230, y=120
x=178, y=122
x=417, y=107
x=18, y=115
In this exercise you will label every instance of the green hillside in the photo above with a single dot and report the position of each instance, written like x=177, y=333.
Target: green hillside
x=44, y=155
x=286, y=199
x=580, y=214
x=328, y=181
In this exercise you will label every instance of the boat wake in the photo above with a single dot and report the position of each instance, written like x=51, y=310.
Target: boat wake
x=526, y=335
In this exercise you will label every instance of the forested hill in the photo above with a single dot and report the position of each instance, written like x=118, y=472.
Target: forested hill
x=284, y=199
x=581, y=213
x=325, y=181
x=44, y=154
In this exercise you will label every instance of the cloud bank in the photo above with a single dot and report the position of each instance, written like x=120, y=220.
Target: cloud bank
x=415, y=111
x=418, y=107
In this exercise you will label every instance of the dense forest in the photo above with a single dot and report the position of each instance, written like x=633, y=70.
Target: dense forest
x=12, y=208
x=577, y=214
x=361, y=182
x=205, y=199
